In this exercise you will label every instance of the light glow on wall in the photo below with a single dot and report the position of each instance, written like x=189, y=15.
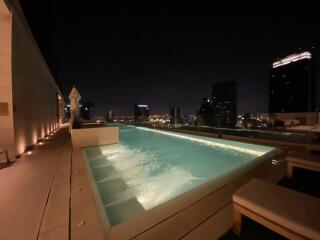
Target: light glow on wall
x=292, y=58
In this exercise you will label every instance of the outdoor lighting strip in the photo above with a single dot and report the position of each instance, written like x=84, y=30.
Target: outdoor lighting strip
x=292, y=58
x=214, y=144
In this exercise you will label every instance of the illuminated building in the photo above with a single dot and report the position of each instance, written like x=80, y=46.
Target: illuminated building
x=175, y=116
x=86, y=110
x=109, y=117
x=292, y=86
x=225, y=102
x=141, y=112
x=206, y=113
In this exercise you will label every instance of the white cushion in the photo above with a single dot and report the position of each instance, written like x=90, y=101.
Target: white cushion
x=291, y=209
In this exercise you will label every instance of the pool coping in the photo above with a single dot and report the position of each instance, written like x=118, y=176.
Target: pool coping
x=136, y=227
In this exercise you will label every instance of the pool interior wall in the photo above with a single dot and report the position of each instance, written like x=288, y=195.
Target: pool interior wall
x=149, y=167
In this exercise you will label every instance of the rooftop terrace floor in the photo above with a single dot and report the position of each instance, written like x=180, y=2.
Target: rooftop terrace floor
x=35, y=192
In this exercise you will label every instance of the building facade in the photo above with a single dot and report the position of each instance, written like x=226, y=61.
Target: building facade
x=206, y=113
x=175, y=115
x=141, y=112
x=109, y=116
x=86, y=110
x=225, y=102
x=292, y=84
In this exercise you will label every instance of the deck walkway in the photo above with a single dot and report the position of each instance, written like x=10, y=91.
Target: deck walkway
x=35, y=192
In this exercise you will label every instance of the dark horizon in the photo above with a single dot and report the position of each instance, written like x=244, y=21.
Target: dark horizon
x=120, y=58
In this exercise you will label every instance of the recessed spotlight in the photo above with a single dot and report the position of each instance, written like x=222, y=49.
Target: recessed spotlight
x=29, y=152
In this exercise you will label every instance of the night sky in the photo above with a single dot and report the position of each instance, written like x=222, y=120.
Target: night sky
x=161, y=56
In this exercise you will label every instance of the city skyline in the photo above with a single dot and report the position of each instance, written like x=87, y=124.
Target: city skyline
x=163, y=58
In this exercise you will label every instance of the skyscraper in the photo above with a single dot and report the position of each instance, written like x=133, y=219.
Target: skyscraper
x=109, y=117
x=86, y=110
x=292, y=85
x=225, y=102
x=141, y=112
x=175, y=116
x=206, y=113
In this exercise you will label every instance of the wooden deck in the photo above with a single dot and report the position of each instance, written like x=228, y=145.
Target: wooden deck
x=35, y=192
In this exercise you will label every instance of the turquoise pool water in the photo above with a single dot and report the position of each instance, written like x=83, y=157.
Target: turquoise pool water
x=149, y=167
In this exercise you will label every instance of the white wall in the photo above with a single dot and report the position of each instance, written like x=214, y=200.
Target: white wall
x=34, y=89
x=26, y=84
x=6, y=120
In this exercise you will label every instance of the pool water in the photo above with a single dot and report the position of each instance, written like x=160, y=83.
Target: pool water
x=149, y=167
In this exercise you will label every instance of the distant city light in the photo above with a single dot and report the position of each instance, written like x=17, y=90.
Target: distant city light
x=141, y=105
x=291, y=58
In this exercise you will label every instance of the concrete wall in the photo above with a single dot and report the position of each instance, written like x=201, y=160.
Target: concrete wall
x=305, y=118
x=6, y=109
x=94, y=136
x=34, y=90
x=26, y=84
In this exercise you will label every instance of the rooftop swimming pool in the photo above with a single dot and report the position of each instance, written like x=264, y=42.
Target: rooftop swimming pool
x=149, y=167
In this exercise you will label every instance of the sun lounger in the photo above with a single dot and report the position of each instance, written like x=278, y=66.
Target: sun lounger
x=5, y=152
x=312, y=147
x=290, y=213
x=301, y=159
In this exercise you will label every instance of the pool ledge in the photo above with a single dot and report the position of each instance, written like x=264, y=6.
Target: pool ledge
x=87, y=220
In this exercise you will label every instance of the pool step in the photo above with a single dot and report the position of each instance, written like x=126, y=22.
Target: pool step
x=102, y=172
x=99, y=161
x=120, y=212
x=114, y=175
x=101, y=165
x=111, y=190
x=120, y=198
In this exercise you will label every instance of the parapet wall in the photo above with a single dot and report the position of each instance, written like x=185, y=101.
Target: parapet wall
x=29, y=107
x=86, y=137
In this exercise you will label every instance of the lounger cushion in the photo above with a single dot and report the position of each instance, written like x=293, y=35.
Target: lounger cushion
x=301, y=157
x=291, y=209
